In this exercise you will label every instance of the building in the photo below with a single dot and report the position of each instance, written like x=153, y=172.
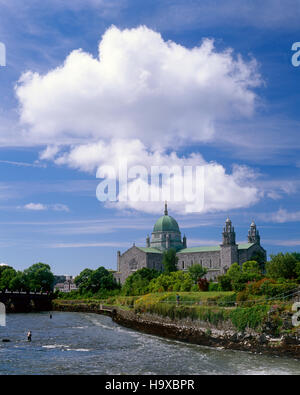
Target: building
x=166, y=234
x=66, y=284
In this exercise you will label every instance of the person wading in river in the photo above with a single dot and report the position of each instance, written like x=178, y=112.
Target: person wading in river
x=29, y=334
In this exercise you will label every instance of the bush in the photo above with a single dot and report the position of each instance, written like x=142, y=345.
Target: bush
x=249, y=317
x=175, y=281
x=271, y=288
x=283, y=266
x=225, y=283
x=214, y=287
x=227, y=300
x=203, y=284
x=138, y=282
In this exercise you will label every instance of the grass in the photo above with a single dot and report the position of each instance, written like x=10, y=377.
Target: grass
x=185, y=297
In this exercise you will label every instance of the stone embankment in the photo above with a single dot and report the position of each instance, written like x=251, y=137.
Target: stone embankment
x=224, y=335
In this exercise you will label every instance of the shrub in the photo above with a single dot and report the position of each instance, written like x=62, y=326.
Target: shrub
x=271, y=288
x=174, y=281
x=138, y=282
x=249, y=317
x=214, y=287
x=203, y=284
x=227, y=300
x=283, y=266
x=225, y=283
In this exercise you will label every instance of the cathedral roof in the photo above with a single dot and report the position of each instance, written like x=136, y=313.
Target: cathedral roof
x=243, y=246
x=166, y=224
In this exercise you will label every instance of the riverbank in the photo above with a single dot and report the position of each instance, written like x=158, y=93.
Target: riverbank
x=220, y=333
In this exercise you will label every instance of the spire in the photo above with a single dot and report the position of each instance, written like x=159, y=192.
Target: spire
x=166, y=208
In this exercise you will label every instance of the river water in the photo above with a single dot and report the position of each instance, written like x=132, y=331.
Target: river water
x=79, y=343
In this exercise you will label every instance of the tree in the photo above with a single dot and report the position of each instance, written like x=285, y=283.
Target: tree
x=197, y=272
x=240, y=276
x=282, y=266
x=225, y=282
x=252, y=270
x=82, y=280
x=234, y=271
x=18, y=283
x=102, y=279
x=297, y=270
x=95, y=280
x=260, y=258
x=170, y=261
x=7, y=274
x=39, y=277
x=138, y=282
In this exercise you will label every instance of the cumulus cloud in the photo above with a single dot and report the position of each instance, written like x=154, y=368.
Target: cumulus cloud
x=139, y=98
x=218, y=189
x=141, y=87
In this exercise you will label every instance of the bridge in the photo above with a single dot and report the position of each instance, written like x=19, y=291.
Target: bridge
x=24, y=302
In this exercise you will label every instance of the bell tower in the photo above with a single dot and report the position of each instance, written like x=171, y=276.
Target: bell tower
x=253, y=234
x=228, y=234
x=229, y=248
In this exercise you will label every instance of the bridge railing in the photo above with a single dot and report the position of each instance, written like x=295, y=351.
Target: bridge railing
x=6, y=292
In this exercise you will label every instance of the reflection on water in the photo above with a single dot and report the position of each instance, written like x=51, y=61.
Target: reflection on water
x=79, y=343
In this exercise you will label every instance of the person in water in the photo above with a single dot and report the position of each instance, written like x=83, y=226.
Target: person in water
x=29, y=334
x=50, y=316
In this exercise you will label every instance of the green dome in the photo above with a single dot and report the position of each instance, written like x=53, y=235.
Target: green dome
x=166, y=224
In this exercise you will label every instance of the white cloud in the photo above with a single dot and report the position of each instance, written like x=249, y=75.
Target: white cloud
x=282, y=216
x=43, y=207
x=140, y=87
x=35, y=206
x=142, y=96
x=222, y=191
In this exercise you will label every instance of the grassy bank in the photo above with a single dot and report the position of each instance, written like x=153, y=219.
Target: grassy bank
x=213, y=307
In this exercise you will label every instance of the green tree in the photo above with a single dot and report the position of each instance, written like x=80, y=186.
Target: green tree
x=260, y=258
x=39, y=277
x=240, y=276
x=170, y=260
x=7, y=274
x=252, y=270
x=197, y=271
x=94, y=281
x=234, y=271
x=82, y=280
x=282, y=266
x=138, y=282
x=102, y=279
x=225, y=282
x=19, y=283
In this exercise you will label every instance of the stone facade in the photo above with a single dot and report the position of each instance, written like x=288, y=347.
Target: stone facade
x=166, y=234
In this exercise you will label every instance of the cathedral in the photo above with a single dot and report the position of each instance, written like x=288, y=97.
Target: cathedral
x=166, y=234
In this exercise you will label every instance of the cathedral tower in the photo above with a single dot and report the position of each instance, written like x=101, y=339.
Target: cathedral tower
x=253, y=234
x=229, y=248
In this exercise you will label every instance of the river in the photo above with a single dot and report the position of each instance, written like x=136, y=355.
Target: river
x=82, y=343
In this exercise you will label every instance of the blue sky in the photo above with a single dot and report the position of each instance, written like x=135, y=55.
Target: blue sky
x=244, y=120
